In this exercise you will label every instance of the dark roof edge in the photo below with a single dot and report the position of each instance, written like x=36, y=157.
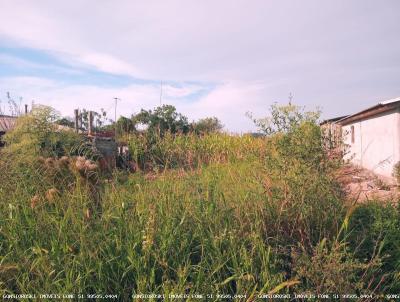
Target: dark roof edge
x=371, y=111
x=332, y=120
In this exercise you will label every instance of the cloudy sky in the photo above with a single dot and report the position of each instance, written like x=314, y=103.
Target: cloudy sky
x=215, y=58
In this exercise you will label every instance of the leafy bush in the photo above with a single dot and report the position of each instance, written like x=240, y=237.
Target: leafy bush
x=396, y=172
x=374, y=231
x=207, y=125
x=162, y=119
x=36, y=134
x=300, y=179
x=332, y=268
x=39, y=158
x=284, y=118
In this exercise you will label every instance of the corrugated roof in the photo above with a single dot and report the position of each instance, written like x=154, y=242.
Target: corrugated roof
x=390, y=101
x=381, y=107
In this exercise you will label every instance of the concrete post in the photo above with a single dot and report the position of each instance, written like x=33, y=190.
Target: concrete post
x=90, y=126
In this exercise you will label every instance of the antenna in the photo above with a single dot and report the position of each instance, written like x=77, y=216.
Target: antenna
x=290, y=98
x=115, y=116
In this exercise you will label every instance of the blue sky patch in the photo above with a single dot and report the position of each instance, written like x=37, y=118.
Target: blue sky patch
x=28, y=62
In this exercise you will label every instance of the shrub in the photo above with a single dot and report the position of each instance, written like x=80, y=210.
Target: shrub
x=36, y=134
x=396, y=172
x=303, y=193
x=207, y=125
x=374, y=231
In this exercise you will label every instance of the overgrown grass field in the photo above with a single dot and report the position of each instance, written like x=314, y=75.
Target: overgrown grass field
x=204, y=215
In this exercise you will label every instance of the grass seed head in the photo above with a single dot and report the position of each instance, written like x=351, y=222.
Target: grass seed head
x=92, y=167
x=80, y=165
x=34, y=201
x=64, y=161
x=51, y=194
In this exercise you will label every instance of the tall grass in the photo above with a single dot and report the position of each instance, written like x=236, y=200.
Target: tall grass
x=191, y=151
x=243, y=215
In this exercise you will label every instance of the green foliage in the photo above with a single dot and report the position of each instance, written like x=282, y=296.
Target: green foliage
x=125, y=125
x=191, y=151
x=207, y=125
x=331, y=268
x=284, y=118
x=300, y=176
x=36, y=134
x=396, y=172
x=162, y=119
x=236, y=215
x=38, y=154
x=374, y=231
x=65, y=122
x=99, y=119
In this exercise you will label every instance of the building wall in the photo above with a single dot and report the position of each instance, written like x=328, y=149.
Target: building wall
x=376, y=143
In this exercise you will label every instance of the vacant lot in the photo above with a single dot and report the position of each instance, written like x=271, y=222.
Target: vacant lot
x=204, y=214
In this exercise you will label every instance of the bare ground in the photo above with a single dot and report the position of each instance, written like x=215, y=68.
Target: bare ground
x=362, y=185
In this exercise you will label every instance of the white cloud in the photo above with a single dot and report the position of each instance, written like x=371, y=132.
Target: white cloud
x=224, y=102
x=170, y=91
x=327, y=53
x=108, y=63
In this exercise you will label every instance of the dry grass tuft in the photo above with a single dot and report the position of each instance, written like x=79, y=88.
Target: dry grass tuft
x=35, y=201
x=51, y=194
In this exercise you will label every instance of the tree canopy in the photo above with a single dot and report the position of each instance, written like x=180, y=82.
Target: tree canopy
x=163, y=119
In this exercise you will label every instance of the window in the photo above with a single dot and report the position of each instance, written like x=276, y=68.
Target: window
x=352, y=134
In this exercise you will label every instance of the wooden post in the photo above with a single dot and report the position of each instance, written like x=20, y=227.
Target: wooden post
x=26, y=109
x=90, y=126
x=76, y=120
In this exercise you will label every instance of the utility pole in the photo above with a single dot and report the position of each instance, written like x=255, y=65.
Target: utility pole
x=115, y=117
x=90, y=124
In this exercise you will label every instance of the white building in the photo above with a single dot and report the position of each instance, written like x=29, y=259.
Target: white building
x=372, y=137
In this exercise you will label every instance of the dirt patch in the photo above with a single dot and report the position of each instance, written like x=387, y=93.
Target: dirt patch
x=361, y=185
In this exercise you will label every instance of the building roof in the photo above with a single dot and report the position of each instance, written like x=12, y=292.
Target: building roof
x=7, y=122
x=381, y=107
x=332, y=120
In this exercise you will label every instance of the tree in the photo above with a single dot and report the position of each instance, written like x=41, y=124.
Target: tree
x=207, y=125
x=163, y=119
x=125, y=125
x=284, y=118
x=99, y=119
x=65, y=121
x=36, y=134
